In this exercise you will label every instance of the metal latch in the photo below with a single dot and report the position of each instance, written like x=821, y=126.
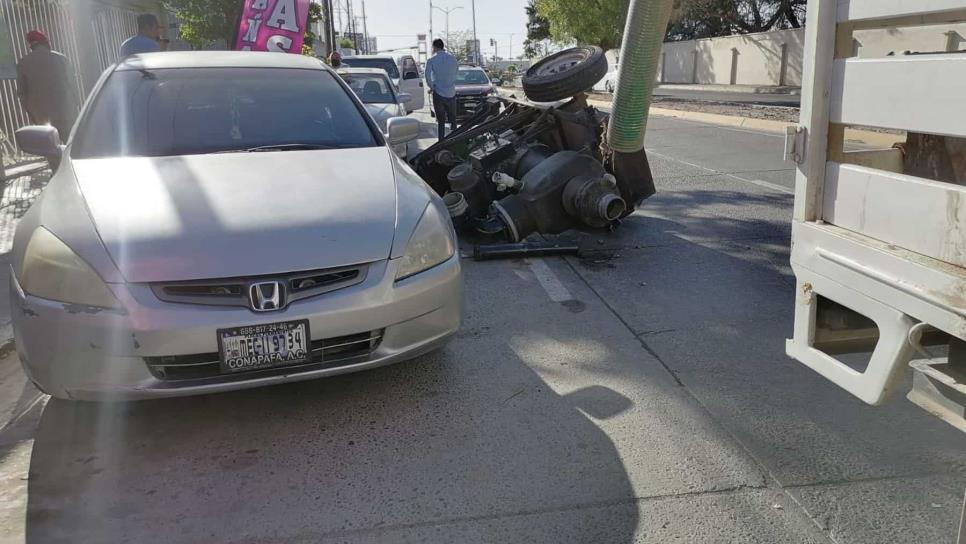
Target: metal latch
x=795, y=144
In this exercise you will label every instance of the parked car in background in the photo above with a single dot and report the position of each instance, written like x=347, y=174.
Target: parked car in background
x=406, y=80
x=473, y=86
x=263, y=233
x=379, y=96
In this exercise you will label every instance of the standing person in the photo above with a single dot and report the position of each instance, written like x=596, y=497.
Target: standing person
x=147, y=40
x=45, y=84
x=335, y=59
x=441, y=79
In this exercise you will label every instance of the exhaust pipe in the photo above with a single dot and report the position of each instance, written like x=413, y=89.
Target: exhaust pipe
x=640, y=51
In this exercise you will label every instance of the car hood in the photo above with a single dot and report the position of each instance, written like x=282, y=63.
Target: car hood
x=472, y=89
x=241, y=214
x=382, y=113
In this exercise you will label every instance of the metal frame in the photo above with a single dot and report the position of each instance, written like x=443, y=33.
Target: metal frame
x=889, y=246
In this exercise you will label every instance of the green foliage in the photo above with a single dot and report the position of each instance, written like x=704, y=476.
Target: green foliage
x=600, y=22
x=315, y=15
x=538, y=30
x=346, y=43
x=204, y=22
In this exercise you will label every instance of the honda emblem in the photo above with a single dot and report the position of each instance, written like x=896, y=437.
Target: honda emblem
x=267, y=296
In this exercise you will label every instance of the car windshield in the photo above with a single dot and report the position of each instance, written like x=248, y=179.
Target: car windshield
x=472, y=77
x=388, y=65
x=199, y=110
x=371, y=88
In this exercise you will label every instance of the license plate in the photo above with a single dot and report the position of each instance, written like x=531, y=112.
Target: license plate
x=264, y=346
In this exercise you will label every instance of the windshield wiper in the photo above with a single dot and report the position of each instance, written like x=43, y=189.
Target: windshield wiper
x=284, y=147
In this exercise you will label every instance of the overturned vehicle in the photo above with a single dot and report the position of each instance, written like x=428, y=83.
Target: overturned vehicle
x=519, y=167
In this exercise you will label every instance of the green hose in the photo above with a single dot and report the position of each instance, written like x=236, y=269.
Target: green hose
x=640, y=52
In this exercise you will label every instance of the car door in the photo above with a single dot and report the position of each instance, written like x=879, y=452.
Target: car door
x=412, y=83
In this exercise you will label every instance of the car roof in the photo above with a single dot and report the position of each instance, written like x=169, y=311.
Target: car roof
x=381, y=57
x=372, y=71
x=219, y=59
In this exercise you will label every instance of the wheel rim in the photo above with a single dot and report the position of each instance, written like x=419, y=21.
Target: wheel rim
x=562, y=63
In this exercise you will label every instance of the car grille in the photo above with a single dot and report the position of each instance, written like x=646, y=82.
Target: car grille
x=327, y=353
x=234, y=292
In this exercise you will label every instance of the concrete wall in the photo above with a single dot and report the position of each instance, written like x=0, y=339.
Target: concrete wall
x=748, y=59
x=756, y=59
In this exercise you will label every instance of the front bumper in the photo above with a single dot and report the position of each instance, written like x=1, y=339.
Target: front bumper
x=469, y=105
x=89, y=354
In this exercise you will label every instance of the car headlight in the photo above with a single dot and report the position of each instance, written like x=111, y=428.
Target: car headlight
x=432, y=244
x=51, y=270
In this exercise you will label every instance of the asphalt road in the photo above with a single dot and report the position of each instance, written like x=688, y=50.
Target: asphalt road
x=641, y=395
x=738, y=98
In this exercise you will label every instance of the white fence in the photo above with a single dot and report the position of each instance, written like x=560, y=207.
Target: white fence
x=88, y=32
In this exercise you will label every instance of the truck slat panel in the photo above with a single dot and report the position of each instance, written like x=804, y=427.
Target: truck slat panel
x=873, y=202
x=862, y=10
x=915, y=93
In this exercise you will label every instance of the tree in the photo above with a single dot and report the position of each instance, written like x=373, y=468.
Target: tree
x=458, y=43
x=204, y=22
x=538, y=30
x=600, y=22
x=693, y=19
x=207, y=22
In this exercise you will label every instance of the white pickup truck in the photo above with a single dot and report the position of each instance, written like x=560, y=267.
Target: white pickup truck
x=879, y=236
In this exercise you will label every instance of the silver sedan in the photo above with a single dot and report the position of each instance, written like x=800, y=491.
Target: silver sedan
x=227, y=220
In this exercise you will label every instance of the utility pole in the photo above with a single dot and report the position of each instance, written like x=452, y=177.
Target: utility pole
x=447, y=11
x=510, y=54
x=329, y=31
x=429, y=39
x=365, y=29
x=476, y=44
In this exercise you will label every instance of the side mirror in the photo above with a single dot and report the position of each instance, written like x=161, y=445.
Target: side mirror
x=411, y=75
x=402, y=130
x=404, y=98
x=42, y=140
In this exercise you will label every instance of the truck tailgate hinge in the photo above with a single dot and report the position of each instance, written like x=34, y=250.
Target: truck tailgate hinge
x=795, y=144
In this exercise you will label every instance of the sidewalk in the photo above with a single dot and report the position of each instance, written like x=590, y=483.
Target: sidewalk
x=745, y=89
x=6, y=325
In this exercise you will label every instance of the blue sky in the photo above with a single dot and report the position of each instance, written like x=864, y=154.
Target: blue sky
x=396, y=22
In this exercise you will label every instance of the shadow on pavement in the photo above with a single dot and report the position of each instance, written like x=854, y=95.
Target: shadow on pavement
x=436, y=441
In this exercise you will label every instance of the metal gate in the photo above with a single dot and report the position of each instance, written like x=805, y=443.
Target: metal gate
x=55, y=19
x=112, y=25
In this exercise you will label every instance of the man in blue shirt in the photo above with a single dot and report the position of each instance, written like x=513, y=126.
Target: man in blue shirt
x=441, y=79
x=147, y=40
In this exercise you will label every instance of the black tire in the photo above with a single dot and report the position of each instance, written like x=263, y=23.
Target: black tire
x=565, y=74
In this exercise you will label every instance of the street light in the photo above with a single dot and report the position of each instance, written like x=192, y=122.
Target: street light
x=447, y=11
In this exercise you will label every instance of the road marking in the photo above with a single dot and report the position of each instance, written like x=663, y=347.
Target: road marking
x=758, y=182
x=548, y=280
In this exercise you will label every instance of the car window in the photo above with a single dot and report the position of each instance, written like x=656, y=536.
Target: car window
x=409, y=65
x=205, y=110
x=388, y=65
x=371, y=88
x=471, y=77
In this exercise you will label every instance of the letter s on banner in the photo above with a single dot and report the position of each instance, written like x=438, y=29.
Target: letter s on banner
x=279, y=44
x=273, y=25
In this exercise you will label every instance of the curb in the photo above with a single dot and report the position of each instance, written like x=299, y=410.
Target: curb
x=866, y=137
x=738, y=89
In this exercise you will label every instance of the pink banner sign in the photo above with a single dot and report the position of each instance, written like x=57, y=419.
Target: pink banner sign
x=273, y=25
